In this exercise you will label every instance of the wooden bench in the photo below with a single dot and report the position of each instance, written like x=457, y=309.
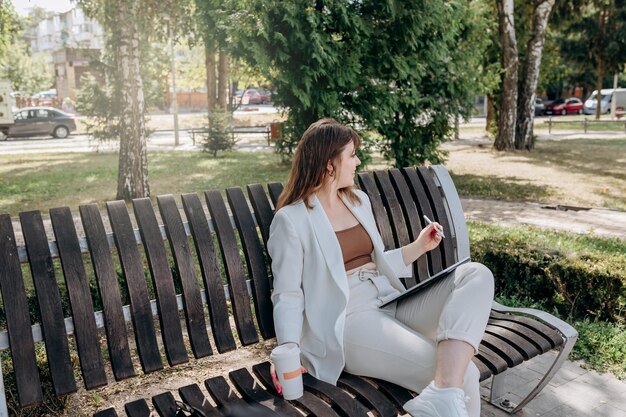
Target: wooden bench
x=232, y=233
x=203, y=131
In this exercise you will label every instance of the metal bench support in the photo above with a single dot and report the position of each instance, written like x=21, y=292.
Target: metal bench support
x=498, y=394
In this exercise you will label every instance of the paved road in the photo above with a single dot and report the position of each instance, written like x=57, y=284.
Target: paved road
x=161, y=140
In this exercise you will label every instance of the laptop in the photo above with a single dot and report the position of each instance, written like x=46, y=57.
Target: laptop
x=426, y=283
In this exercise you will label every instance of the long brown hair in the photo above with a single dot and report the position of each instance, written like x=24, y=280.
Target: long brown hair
x=322, y=142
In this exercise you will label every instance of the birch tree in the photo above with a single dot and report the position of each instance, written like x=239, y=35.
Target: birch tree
x=121, y=22
x=507, y=116
x=530, y=74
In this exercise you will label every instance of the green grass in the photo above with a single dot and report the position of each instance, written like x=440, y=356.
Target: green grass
x=43, y=181
x=600, y=162
x=493, y=187
x=571, y=244
x=592, y=126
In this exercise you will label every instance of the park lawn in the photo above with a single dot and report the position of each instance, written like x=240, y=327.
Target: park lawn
x=43, y=181
x=592, y=126
x=580, y=172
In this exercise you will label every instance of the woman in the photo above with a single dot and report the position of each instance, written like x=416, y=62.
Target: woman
x=331, y=274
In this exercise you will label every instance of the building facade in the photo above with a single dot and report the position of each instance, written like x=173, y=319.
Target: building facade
x=70, y=41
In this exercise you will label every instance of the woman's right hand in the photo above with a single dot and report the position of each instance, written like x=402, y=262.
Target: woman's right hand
x=279, y=389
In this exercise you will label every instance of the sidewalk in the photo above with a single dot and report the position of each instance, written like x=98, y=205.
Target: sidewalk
x=573, y=392
x=597, y=221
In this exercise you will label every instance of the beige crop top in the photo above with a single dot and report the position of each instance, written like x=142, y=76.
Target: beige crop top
x=356, y=246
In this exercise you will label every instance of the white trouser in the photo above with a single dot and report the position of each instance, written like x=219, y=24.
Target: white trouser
x=398, y=343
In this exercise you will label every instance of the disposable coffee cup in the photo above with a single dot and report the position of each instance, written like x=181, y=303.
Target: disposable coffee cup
x=286, y=359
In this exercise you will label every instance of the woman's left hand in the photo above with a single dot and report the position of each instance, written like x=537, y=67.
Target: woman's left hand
x=428, y=238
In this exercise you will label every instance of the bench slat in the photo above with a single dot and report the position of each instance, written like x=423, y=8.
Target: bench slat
x=137, y=408
x=109, y=412
x=503, y=349
x=192, y=395
x=390, y=200
x=551, y=335
x=145, y=334
x=49, y=299
x=158, y=263
x=18, y=320
x=86, y=333
x=251, y=391
x=491, y=359
x=529, y=335
x=483, y=369
x=216, y=300
x=232, y=405
x=309, y=402
x=165, y=404
x=262, y=210
x=435, y=263
x=275, y=189
x=412, y=217
x=523, y=346
x=117, y=336
x=368, y=185
x=234, y=268
x=457, y=218
x=447, y=246
x=367, y=394
x=398, y=223
x=192, y=301
x=255, y=259
x=397, y=394
x=335, y=396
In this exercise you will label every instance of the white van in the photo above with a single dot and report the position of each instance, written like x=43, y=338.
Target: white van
x=605, y=103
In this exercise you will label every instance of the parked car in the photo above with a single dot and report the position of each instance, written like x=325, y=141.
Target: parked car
x=266, y=96
x=252, y=96
x=45, y=98
x=237, y=97
x=565, y=106
x=605, y=102
x=540, y=108
x=41, y=121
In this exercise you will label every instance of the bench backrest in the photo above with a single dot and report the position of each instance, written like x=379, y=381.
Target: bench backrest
x=190, y=255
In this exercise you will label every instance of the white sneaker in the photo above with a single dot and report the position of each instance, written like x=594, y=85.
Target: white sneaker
x=438, y=402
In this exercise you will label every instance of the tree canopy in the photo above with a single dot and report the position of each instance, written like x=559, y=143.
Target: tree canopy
x=404, y=70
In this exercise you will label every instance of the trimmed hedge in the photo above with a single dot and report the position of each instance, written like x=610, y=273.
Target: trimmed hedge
x=549, y=268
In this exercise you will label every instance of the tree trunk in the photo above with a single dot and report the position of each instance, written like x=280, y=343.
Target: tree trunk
x=507, y=116
x=491, y=122
x=534, y=50
x=132, y=179
x=209, y=60
x=222, y=81
x=600, y=59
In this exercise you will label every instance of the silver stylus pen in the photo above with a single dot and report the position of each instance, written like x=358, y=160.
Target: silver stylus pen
x=439, y=232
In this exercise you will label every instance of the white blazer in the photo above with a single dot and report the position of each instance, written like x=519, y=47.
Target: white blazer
x=310, y=284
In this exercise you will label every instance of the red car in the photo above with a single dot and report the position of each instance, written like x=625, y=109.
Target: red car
x=565, y=106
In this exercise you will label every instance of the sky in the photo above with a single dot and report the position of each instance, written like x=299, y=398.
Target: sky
x=23, y=6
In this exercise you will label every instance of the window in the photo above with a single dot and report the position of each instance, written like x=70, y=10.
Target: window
x=42, y=114
x=23, y=115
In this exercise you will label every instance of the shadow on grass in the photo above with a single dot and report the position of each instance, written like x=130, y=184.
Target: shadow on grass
x=55, y=180
x=496, y=188
x=598, y=157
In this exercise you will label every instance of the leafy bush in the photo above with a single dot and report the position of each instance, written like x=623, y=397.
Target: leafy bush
x=536, y=265
x=602, y=346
